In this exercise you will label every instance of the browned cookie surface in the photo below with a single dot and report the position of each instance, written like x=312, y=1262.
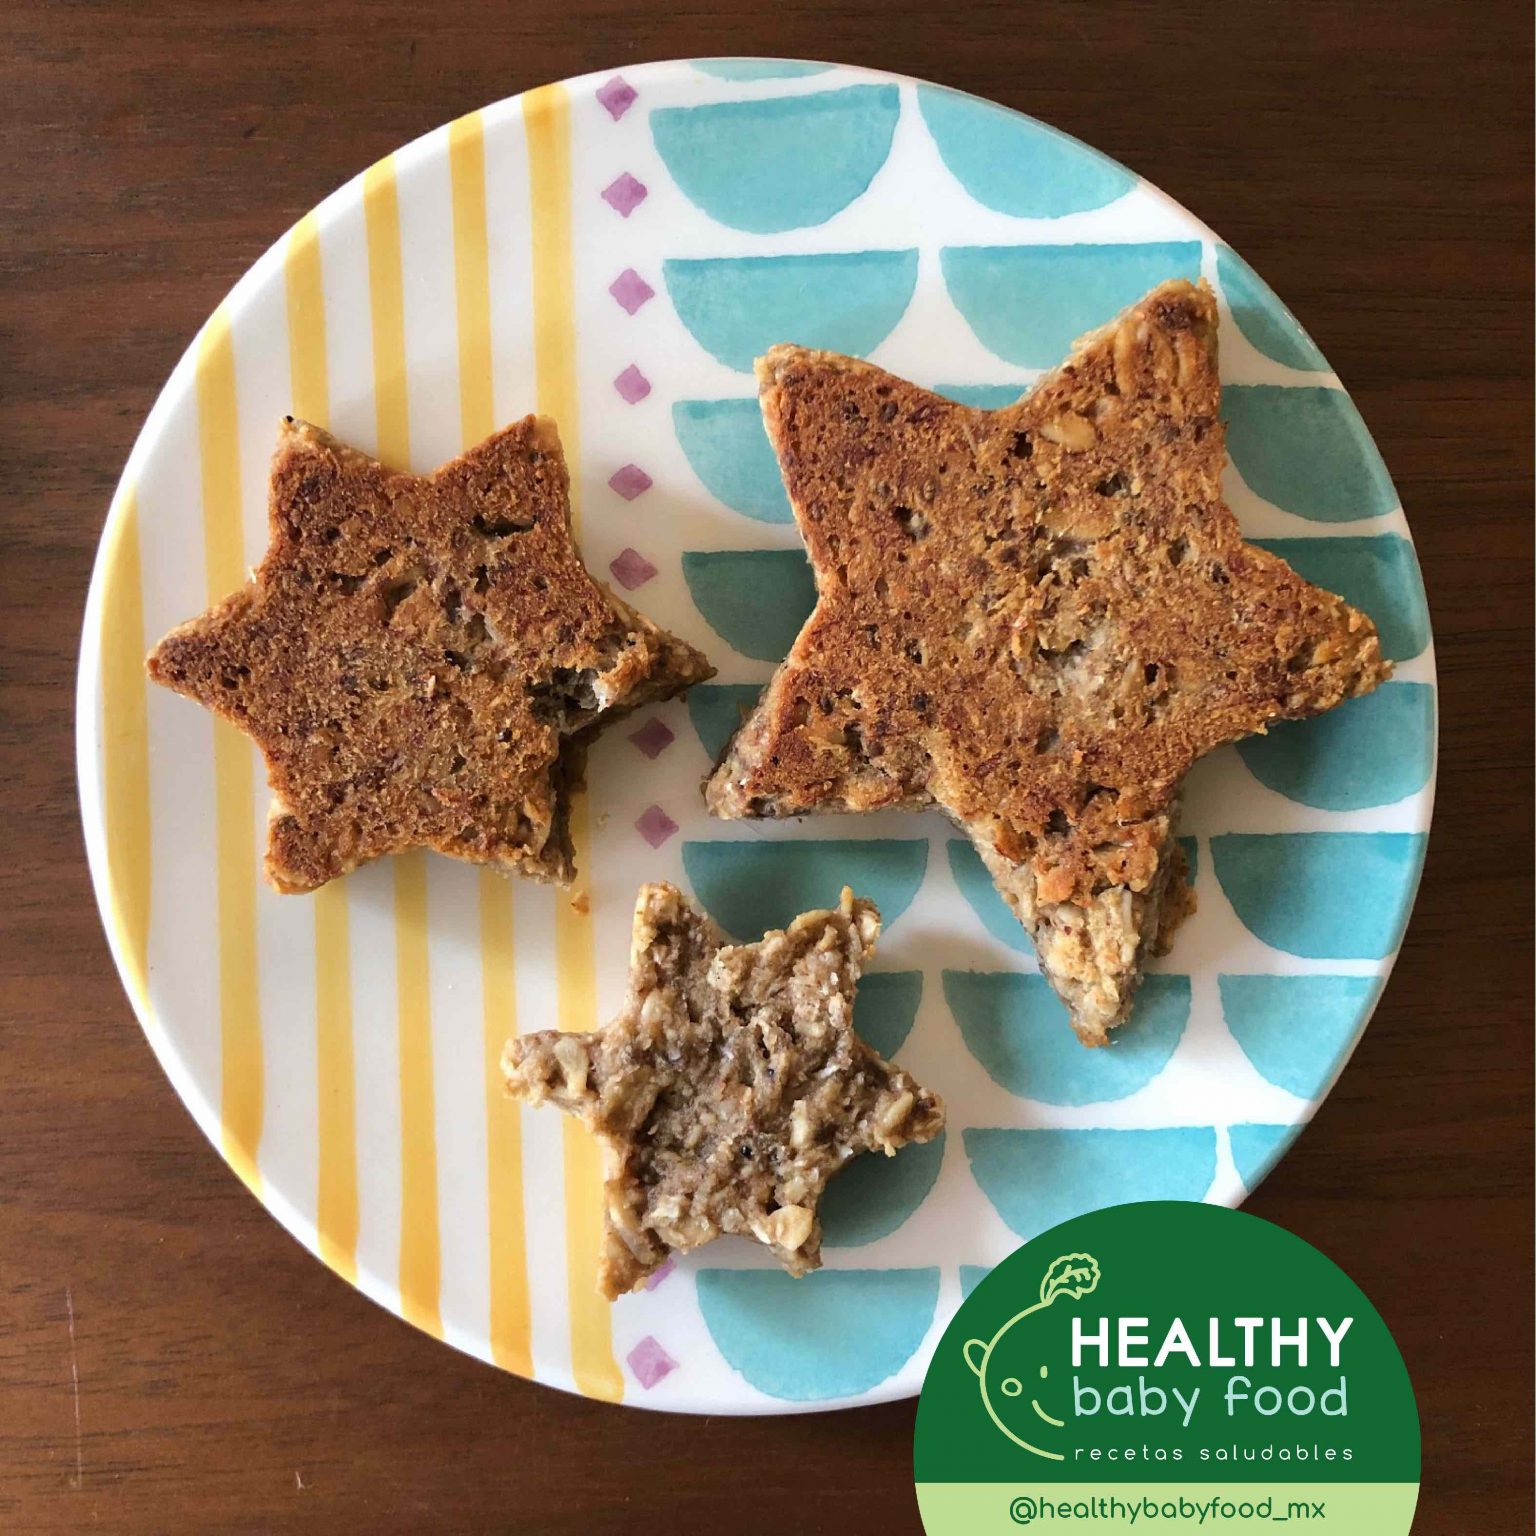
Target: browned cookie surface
x=421, y=657
x=1037, y=619
x=731, y=1086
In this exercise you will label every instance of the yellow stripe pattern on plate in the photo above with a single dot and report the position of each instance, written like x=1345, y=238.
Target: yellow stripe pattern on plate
x=241, y=1085
x=125, y=748
x=547, y=116
x=126, y=774
x=510, y=1324
x=336, y=1204
x=420, y=1247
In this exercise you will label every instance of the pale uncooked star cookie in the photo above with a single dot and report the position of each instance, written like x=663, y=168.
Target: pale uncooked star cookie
x=731, y=1086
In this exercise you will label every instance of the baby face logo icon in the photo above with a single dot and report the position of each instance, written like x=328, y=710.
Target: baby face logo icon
x=1012, y=1376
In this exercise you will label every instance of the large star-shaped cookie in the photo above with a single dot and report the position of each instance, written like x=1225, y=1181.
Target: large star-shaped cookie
x=731, y=1086
x=1035, y=619
x=421, y=658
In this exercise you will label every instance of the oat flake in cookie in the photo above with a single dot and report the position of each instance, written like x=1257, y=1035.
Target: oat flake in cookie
x=421, y=658
x=1035, y=619
x=730, y=1088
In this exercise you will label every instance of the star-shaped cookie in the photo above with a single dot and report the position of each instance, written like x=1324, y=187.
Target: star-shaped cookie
x=1035, y=619
x=731, y=1086
x=421, y=658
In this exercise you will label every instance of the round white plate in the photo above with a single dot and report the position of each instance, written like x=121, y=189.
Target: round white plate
x=614, y=251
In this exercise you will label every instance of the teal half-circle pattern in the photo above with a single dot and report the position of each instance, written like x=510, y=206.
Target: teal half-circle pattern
x=1015, y=165
x=1296, y=1029
x=1191, y=847
x=716, y=709
x=1369, y=751
x=976, y=885
x=1377, y=573
x=971, y=1275
x=1029, y=303
x=984, y=397
x=874, y=1195
x=1306, y=450
x=754, y=599
x=737, y=307
x=773, y=163
x=1257, y=1148
x=724, y=442
x=835, y=1333
x=750, y=887
x=1321, y=895
x=885, y=1009
x=1264, y=321
x=1018, y=1029
x=1036, y=1179
x=759, y=69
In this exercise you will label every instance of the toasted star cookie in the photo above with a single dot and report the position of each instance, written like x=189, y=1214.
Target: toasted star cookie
x=1035, y=619
x=731, y=1086
x=421, y=658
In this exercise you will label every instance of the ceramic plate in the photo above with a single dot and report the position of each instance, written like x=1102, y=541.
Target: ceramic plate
x=614, y=251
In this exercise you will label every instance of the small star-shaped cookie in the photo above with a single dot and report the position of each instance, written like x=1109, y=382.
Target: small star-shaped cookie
x=731, y=1086
x=1035, y=619
x=421, y=658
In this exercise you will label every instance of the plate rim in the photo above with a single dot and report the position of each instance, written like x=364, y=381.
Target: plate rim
x=88, y=741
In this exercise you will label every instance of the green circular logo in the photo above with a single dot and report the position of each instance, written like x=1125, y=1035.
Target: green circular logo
x=1167, y=1366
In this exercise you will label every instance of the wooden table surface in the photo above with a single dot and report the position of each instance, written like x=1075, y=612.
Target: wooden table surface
x=170, y=1360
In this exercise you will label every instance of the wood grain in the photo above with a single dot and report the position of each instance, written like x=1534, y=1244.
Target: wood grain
x=1372, y=160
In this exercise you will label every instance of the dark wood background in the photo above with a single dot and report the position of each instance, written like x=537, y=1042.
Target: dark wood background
x=1371, y=158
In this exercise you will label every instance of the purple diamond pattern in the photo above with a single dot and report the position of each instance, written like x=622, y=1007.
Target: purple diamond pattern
x=617, y=96
x=632, y=385
x=631, y=569
x=650, y=1362
x=653, y=738
x=660, y=1273
x=630, y=481
x=624, y=194
x=655, y=826
x=631, y=290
